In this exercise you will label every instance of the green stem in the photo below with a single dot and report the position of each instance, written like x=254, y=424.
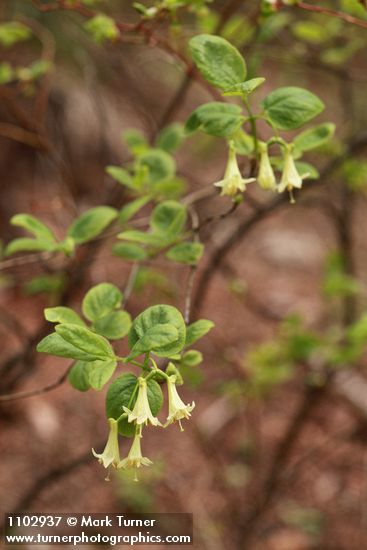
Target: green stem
x=137, y=364
x=156, y=370
x=123, y=415
x=252, y=120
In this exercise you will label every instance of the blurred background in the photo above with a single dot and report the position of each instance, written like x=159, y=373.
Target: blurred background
x=275, y=456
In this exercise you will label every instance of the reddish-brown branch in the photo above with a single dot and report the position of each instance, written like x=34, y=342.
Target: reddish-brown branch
x=11, y=131
x=333, y=13
x=142, y=29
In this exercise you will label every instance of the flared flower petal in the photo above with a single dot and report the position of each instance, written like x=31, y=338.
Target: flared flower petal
x=135, y=459
x=111, y=454
x=141, y=413
x=290, y=177
x=177, y=410
x=233, y=182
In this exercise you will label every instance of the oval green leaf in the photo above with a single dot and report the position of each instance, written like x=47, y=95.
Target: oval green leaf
x=291, y=107
x=220, y=63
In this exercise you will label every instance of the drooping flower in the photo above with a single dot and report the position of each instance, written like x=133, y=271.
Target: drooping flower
x=266, y=177
x=232, y=182
x=141, y=413
x=177, y=410
x=290, y=177
x=135, y=459
x=111, y=454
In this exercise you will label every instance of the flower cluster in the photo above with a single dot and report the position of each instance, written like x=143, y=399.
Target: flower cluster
x=140, y=415
x=233, y=183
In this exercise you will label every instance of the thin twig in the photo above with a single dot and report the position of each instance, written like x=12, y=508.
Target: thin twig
x=248, y=524
x=39, y=391
x=51, y=477
x=333, y=13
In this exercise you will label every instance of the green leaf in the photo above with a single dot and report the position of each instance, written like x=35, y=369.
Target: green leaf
x=155, y=396
x=54, y=344
x=244, y=144
x=63, y=314
x=160, y=165
x=172, y=370
x=130, y=251
x=168, y=218
x=135, y=141
x=130, y=209
x=7, y=73
x=170, y=189
x=159, y=315
x=114, y=325
x=191, y=358
x=34, y=71
x=171, y=137
x=49, y=284
x=85, y=340
x=78, y=376
x=154, y=339
x=357, y=332
x=101, y=300
x=67, y=246
x=102, y=28
x=310, y=31
x=13, y=32
x=121, y=394
x=92, y=374
x=354, y=172
x=197, y=330
x=245, y=88
x=39, y=68
x=239, y=30
x=186, y=253
x=216, y=119
x=291, y=107
x=314, y=137
x=272, y=26
x=220, y=63
x=99, y=372
x=34, y=226
x=91, y=223
x=121, y=176
x=28, y=245
x=307, y=168
x=141, y=237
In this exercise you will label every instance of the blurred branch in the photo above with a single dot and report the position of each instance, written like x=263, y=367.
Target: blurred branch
x=9, y=321
x=333, y=13
x=250, y=300
x=21, y=135
x=51, y=477
x=39, y=391
x=146, y=30
x=248, y=522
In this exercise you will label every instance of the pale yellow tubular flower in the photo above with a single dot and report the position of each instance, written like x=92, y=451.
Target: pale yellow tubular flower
x=232, y=182
x=111, y=454
x=290, y=177
x=141, y=413
x=266, y=177
x=177, y=410
x=135, y=459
